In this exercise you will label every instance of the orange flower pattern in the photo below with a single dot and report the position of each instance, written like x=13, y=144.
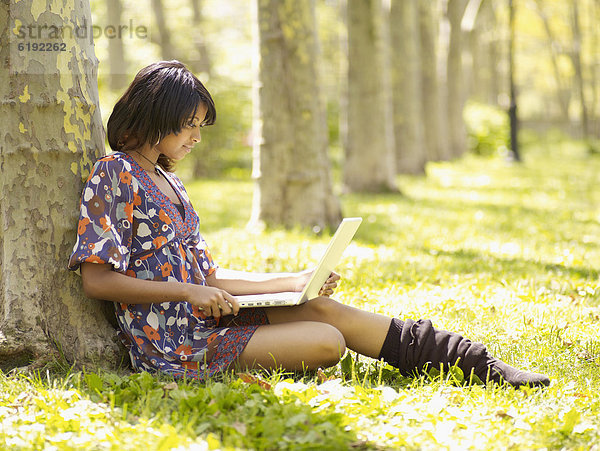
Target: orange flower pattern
x=126, y=221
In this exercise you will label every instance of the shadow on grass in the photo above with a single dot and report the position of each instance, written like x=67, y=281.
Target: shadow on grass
x=382, y=218
x=468, y=261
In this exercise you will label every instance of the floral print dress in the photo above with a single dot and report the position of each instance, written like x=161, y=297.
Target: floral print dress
x=126, y=221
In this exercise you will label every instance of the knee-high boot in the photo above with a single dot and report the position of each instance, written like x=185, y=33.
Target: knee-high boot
x=414, y=346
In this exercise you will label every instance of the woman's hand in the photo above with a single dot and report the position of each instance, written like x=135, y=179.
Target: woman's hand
x=213, y=301
x=328, y=287
x=330, y=284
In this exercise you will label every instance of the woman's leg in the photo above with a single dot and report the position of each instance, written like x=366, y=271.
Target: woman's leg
x=364, y=332
x=294, y=346
x=409, y=346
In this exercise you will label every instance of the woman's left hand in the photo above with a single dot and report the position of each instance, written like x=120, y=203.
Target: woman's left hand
x=328, y=287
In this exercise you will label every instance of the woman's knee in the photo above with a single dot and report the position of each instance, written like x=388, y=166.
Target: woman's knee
x=332, y=345
x=322, y=308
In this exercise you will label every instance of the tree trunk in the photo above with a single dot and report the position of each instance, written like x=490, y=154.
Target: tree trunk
x=370, y=161
x=201, y=62
x=435, y=140
x=50, y=137
x=579, y=80
x=482, y=81
x=594, y=18
x=406, y=79
x=118, y=77
x=291, y=165
x=166, y=48
x=512, y=110
x=456, y=97
x=562, y=91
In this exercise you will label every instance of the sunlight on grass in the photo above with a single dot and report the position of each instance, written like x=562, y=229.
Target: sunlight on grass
x=506, y=254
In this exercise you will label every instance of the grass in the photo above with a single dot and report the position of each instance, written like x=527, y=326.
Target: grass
x=506, y=254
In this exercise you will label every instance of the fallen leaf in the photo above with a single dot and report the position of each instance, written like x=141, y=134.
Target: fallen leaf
x=322, y=377
x=171, y=386
x=250, y=379
x=240, y=427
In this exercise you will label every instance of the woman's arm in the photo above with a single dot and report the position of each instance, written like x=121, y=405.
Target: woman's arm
x=240, y=283
x=101, y=282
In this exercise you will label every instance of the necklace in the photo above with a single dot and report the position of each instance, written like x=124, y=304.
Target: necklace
x=148, y=160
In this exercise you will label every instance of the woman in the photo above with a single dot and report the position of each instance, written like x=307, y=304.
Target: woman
x=139, y=246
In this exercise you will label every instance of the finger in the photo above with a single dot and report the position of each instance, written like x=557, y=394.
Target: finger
x=233, y=303
x=216, y=311
x=330, y=286
x=334, y=277
x=225, y=307
x=216, y=305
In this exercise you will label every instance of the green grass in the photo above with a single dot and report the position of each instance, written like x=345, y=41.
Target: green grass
x=506, y=254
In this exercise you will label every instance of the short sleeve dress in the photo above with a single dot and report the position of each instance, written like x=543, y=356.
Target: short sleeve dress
x=126, y=221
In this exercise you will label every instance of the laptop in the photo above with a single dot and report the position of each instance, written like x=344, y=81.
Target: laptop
x=340, y=240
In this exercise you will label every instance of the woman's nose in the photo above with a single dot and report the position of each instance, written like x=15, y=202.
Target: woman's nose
x=196, y=135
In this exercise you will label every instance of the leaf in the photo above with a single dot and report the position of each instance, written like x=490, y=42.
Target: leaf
x=94, y=382
x=570, y=419
x=250, y=379
x=322, y=377
x=171, y=386
x=241, y=428
x=346, y=364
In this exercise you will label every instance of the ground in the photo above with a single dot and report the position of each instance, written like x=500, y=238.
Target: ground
x=507, y=254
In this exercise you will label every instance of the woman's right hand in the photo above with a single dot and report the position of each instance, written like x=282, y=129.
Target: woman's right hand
x=212, y=301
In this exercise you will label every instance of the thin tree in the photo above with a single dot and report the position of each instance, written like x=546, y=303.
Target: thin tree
x=480, y=24
x=51, y=136
x=575, y=55
x=164, y=33
x=435, y=138
x=406, y=87
x=512, y=110
x=201, y=63
x=563, y=92
x=369, y=164
x=290, y=161
x=455, y=87
x=116, y=52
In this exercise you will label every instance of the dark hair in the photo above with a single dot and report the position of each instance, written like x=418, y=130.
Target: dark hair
x=160, y=100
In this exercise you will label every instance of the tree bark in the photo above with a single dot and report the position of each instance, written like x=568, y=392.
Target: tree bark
x=456, y=98
x=290, y=161
x=369, y=155
x=512, y=110
x=406, y=86
x=482, y=80
x=118, y=77
x=577, y=65
x=201, y=63
x=164, y=34
x=50, y=137
x=594, y=18
x=563, y=93
x=435, y=139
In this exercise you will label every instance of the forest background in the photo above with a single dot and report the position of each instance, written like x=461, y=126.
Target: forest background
x=556, y=70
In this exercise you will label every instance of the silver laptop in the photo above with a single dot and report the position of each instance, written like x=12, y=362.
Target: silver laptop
x=340, y=240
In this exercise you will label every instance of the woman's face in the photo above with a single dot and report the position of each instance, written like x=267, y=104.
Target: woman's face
x=177, y=146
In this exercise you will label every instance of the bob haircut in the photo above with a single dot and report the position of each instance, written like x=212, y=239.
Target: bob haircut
x=160, y=100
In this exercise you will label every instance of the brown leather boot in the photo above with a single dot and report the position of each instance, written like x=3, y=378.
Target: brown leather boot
x=416, y=346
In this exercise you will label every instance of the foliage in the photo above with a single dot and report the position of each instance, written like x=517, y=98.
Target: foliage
x=487, y=128
x=506, y=254
x=225, y=145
